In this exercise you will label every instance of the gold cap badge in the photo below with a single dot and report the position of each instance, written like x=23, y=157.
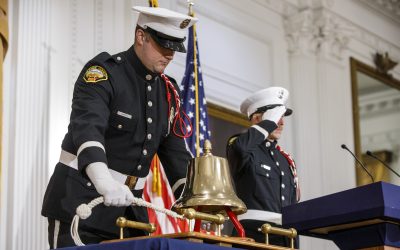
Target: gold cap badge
x=184, y=23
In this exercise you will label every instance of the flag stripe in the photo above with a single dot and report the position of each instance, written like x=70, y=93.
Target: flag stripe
x=165, y=224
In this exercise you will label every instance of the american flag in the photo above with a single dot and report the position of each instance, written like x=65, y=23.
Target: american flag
x=193, y=97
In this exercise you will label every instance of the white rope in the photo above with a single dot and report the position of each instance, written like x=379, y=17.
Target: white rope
x=143, y=203
x=83, y=212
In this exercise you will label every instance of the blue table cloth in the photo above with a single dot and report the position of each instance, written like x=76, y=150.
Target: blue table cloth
x=150, y=244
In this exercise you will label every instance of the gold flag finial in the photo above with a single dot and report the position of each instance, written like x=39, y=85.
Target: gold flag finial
x=153, y=3
x=190, y=3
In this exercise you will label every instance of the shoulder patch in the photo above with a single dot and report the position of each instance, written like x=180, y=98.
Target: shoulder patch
x=95, y=74
x=232, y=140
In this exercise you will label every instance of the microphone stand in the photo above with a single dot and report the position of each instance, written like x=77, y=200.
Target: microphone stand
x=384, y=164
x=359, y=162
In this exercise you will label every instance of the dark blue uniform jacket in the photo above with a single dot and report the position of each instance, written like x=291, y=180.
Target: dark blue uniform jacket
x=260, y=172
x=127, y=114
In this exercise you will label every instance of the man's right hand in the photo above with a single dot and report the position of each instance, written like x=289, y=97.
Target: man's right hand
x=274, y=114
x=114, y=193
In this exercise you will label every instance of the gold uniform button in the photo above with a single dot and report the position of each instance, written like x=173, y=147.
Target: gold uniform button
x=148, y=77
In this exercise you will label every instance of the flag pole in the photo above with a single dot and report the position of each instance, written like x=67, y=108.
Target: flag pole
x=197, y=224
x=196, y=80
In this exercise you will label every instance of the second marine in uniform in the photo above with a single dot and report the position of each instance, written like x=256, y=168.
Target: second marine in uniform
x=264, y=175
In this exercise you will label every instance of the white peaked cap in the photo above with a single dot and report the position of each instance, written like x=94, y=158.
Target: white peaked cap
x=166, y=21
x=265, y=97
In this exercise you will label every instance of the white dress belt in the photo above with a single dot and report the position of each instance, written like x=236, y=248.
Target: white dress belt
x=260, y=215
x=71, y=161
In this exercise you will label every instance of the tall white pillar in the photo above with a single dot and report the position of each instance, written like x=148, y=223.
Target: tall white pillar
x=27, y=125
x=50, y=42
x=322, y=100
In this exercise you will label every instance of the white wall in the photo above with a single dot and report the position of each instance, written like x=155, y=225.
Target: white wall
x=245, y=45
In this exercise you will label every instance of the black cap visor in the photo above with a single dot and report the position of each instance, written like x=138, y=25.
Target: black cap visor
x=166, y=41
x=265, y=108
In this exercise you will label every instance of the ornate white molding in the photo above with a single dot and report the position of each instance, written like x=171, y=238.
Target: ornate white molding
x=315, y=28
x=372, y=43
x=226, y=17
x=380, y=141
x=389, y=8
x=315, y=3
x=317, y=31
x=379, y=104
x=254, y=21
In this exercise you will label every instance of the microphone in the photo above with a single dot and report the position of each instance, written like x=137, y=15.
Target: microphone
x=359, y=162
x=384, y=164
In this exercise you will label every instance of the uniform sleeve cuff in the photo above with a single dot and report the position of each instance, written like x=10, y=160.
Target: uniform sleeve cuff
x=265, y=127
x=90, y=155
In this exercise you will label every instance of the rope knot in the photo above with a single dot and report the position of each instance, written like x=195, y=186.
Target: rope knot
x=83, y=211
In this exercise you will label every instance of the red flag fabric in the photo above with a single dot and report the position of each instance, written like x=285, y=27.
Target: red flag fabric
x=158, y=191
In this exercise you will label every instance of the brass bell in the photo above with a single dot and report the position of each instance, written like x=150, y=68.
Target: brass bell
x=209, y=187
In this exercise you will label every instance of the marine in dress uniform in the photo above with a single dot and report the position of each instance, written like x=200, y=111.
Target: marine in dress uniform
x=123, y=112
x=264, y=175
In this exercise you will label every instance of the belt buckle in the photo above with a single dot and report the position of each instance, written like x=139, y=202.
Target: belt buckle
x=131, y=181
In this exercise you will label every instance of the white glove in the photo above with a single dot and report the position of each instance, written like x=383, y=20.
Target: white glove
x=274, y=114
x=114, y=193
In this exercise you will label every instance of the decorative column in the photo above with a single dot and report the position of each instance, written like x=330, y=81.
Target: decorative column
x=321, y=96
x=3, y=51
x=27, y=125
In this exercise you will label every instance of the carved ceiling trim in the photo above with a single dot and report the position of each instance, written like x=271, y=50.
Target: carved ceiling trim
x=317, y=29
x=388, y=8
x=387, y=140
x=379, y=104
